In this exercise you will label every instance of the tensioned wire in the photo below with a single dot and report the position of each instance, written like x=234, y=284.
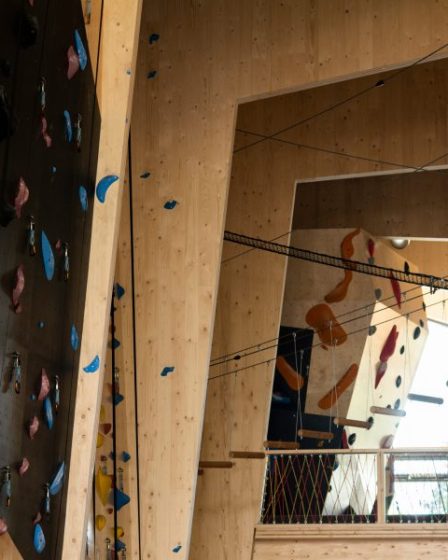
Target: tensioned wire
x=237, y=370
x=244, y=353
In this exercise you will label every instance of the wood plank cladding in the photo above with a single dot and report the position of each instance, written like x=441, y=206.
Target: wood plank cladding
x=185, y=108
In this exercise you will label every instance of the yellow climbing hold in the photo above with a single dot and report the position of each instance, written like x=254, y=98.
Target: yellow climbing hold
x=99, y=440
x=103, y=485
x=120, y=532
x=100, y=522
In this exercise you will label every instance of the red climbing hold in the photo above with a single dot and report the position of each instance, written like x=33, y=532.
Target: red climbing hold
x=386, y=353
x=396, y=289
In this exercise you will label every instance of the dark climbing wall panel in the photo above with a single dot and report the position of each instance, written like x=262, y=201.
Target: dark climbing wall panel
x=41, y=331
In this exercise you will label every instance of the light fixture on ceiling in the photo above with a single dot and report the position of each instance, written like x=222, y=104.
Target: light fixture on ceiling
x=399, y=242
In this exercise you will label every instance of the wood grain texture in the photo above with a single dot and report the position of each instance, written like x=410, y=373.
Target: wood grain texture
x=8, y=549
x=118, y=50
x=210, y=57
x=374, y=542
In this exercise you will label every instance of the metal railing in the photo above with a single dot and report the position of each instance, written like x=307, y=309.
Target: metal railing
x=356, y=486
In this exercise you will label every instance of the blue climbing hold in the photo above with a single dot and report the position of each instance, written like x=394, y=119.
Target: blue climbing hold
x=68, y=126
x=177, y=548
x=53, y=169
x=80, y=50
x=41, y=324
x=170, y=204
x=153, y=38
x=83, y=198
x=38, y=539
x=115, y=343
x=119, y=290
x=47, y=256
x=104, y=185
x=118, y=398
x=119, y=545
x=74, y=338
x=280, y=399
x=93, y=366
x=120, y=498
x=125, y=457
x=145, y=175
x=152, y=74
x=167, y=370
x=58, y=479
x=48, y=413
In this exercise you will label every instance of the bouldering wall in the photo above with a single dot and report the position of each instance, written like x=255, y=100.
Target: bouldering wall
x=368, y=343
x=48, y=153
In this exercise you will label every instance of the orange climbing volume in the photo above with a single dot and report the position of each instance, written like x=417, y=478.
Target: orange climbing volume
x=339, y=293
x=324, y=322
x=347, y=249
x=290, y=375
x=341, y=386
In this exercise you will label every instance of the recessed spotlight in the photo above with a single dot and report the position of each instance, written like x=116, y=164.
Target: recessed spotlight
x=399, y=242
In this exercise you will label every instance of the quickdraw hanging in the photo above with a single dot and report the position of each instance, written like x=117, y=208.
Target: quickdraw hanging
x=65, y=262
x=31, y=236
x=6, y=486
x=42, y=94
x=57, y=394
x=78, y=132
x=47, y=500
x=17, y=371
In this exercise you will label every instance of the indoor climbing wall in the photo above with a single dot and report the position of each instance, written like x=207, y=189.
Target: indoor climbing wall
x=369, y=336
x=49, y=126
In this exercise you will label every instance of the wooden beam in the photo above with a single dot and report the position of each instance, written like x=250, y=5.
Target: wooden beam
x=339, y=421
x=8, y=550
x=425, y=398
x=216, y=464
x=387, y=411
x=247, y=454
x=118, y=50
x=314, y=434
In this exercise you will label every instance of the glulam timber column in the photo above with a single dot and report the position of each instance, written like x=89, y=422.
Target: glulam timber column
x=118, y=51
x=261, y=201
x=197, y=62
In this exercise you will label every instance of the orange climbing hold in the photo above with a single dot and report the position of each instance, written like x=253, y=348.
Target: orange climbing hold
x=347, y=249
x=341, y=386
x=340, y=291
x=323, y=320
x=294, y=379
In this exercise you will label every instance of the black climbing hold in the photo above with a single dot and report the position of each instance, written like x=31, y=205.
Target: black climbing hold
x=237, y=357
x=424, y=306
x=397, y=404
x=380, y=83
x=402, y=350
x=378, y=293
x=145, y=175
x=372, y=330
x=417, y=332
x=398, y=381
x=370, y=421
x=388, y=406
x=151, y=74
x=170, y=204
x=351, y=439
x=422, y=324
x=153, y=38
x=406, y=267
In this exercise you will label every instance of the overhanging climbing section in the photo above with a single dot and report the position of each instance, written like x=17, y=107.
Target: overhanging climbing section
x=49, y=125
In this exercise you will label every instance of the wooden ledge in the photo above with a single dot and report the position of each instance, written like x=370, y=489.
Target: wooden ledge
x=348, y=532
